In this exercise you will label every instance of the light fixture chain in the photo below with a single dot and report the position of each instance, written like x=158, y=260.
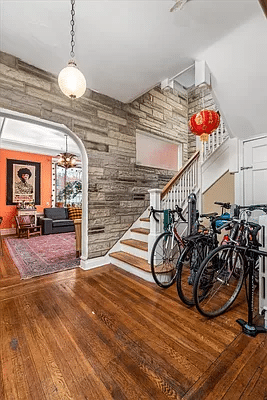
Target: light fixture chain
x=66, y=144
x=72, y=33
x=71, y=81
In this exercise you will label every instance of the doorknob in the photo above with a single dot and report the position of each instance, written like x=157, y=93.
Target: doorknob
x=245, y=168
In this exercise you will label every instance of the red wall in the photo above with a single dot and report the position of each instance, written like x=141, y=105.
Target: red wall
x=9, y=212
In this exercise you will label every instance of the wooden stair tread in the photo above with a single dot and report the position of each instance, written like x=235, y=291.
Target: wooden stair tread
x=145, y=219
x=141, y=230
x=138, y=244
x=135, y=261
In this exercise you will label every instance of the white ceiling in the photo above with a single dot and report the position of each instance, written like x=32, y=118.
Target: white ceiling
x=125, y=47
x=24, y=136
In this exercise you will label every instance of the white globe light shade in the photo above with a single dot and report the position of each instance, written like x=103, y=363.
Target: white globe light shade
x=71, y=81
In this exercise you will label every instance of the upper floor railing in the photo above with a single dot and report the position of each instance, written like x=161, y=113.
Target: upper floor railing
x=214, y=141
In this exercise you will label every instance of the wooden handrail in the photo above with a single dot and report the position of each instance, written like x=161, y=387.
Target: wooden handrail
x=170, y=184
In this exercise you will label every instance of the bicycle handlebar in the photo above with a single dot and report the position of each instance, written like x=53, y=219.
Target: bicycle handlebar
x=253, y=207
x=178, y=210
x=224, y=205
x=153, y=212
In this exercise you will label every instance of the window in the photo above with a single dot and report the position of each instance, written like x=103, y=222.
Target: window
x=69, y=185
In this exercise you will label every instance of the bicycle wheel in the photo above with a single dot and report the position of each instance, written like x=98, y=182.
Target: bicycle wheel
x=187, y=267
x=219, y=280
x=164, y=256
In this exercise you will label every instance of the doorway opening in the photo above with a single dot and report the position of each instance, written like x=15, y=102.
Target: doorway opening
x=47, y=142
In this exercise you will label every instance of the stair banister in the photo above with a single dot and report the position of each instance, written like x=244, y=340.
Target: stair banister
x=179, y=174
x=176, y=192
x=181, y=185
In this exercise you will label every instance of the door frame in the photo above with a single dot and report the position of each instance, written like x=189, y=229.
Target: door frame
x=62, y=128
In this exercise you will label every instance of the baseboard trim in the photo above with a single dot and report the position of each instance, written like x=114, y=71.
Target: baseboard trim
x=92, y=263
x=101, y=261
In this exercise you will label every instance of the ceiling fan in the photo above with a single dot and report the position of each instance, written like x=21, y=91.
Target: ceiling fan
x=178, y=5
x=263, y=4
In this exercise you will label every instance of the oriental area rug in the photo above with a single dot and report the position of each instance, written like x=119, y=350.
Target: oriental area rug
x=42, y=255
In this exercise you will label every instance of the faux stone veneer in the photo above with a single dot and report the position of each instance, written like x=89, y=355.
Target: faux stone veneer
x=118, y=188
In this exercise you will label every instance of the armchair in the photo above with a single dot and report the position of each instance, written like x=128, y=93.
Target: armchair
x=56, y=220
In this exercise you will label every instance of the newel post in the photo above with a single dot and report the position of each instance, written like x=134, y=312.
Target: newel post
x=155, y=227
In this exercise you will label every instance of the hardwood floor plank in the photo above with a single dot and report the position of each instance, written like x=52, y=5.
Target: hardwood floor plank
x=105, y=334
x=259, y=390
x=171, y=315
x=52, y=381
x=122, y=343
x=7, y=265
x=77, y=372
x=222, y=324
x=247, y=393
x=187, y=312
x=209, y=385
x=248, y=363
x=34, y=284
x=235, y=369
x=13, y=366
x=155, y=329
x=159, y=340
x=7, y=367
x=127, y=328
x=94, y=346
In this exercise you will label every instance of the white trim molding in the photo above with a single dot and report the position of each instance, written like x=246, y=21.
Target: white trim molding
x=62, y=128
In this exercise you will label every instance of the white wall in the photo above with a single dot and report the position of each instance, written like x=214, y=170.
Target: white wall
x=215, y=167
x=238, y=65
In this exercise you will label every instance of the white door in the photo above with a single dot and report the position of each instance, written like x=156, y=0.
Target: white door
x=255, y=171
x=255, y=192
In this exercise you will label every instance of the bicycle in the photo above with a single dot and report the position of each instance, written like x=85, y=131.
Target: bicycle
x=197, y=248
x=221, y=275
x=167, y=248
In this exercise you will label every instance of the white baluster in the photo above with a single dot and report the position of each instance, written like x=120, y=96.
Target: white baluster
x=179, y=194
x=213, y=143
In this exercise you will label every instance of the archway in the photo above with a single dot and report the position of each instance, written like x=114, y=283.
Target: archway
x=62, y=128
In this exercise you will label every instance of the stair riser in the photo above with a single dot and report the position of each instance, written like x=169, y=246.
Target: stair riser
x=134, y=251
x=136, y=271
x=139, y=236
x=144, y=224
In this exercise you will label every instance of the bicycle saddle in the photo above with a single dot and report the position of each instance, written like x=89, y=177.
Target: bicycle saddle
x=209, y=215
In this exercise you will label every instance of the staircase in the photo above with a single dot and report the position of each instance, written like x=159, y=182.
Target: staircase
x=132, y=252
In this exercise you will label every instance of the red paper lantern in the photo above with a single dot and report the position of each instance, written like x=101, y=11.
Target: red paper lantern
x=204, y=123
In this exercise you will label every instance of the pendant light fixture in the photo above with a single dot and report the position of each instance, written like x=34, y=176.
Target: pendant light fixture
x=71, y=81
x=67, y=160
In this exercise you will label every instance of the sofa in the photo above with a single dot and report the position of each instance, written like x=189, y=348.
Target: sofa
x=56, y=220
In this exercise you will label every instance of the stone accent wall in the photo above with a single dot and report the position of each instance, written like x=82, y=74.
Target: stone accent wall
x=118, y=188
x=197, y=100
x=163, y=114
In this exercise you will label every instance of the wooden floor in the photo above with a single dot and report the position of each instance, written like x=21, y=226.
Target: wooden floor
x=105, y=334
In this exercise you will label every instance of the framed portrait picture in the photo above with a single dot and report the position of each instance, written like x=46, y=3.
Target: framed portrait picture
x=23, y=182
